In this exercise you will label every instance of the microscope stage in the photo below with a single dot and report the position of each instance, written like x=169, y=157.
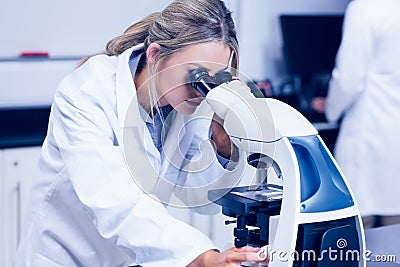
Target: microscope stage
x=245, y=200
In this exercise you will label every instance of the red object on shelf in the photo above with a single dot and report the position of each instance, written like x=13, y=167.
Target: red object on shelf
x=34, y=54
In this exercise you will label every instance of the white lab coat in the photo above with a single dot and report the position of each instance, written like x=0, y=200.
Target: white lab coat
x=365, y=90
x=87, y=207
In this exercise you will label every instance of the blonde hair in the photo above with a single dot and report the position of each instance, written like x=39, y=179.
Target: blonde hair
x=180, y=24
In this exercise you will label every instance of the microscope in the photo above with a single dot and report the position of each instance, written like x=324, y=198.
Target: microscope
x=299, y=207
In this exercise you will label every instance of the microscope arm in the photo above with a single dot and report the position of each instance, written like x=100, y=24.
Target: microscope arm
x=255, y=119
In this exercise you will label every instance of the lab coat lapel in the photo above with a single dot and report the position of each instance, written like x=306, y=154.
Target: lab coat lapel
x=181, y=134
x=142, y=157
x=128, y=106
x=126, y=90
x=174, y=149
x=177, y=142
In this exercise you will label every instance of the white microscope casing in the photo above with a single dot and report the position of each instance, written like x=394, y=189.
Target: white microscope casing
x=314, y=194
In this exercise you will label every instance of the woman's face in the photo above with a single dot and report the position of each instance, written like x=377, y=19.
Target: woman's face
x=172, y=79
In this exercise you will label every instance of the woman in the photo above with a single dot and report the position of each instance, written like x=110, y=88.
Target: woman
x=85, y=209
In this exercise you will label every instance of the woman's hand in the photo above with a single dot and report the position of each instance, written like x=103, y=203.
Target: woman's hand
x=221, y=139
x=318, y=104
x=229, y=258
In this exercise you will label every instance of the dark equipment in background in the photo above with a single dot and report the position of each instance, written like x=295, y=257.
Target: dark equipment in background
x=310, y=44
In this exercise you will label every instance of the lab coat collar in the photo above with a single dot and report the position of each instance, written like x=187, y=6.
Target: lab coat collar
x=126, y=90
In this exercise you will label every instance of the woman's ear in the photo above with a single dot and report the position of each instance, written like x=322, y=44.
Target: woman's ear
x=152, y=52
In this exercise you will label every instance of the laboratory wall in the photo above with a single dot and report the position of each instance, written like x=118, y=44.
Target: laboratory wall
x=67, y=28
x=75, y=28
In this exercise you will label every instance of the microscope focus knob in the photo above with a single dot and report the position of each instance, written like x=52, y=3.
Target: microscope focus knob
x=241, y=237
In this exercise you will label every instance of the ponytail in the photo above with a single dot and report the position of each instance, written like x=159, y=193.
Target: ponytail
x=134, y=35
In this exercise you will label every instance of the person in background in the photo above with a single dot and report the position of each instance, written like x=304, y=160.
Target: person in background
x=86, y=208
x=364, y=93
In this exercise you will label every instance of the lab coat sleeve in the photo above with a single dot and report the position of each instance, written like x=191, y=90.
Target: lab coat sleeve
x=121, y=212
x=348, y=76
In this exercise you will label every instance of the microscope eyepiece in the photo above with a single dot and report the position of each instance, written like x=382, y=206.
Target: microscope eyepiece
x=222, y=77
x=201, y=81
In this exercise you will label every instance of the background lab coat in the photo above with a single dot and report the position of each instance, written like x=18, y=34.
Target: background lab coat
x=365, y=90
x=86, y=209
